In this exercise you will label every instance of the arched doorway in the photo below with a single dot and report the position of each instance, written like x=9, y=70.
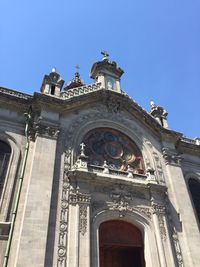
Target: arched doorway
x=120, y=244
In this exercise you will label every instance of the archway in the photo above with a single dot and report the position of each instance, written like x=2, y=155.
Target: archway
x=120, y=245
x=5, y=152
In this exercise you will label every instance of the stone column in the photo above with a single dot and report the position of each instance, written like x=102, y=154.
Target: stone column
x=35, y=216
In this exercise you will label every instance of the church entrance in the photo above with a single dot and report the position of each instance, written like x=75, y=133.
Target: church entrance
x=121, y=245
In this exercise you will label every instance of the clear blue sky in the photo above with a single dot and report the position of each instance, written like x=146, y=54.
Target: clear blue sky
x=157, y=43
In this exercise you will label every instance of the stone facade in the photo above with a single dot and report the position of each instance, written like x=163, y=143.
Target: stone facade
x=53, y=200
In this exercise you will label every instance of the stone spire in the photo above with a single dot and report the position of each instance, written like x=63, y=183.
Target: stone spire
x=76, y=81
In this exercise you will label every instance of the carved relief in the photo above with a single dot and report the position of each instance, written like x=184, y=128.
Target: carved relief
x=160, y=210
x=174, y=236
x=158, y=165
x=38, y=128
x=121, y=203
x=48, y=131
x=113, y=104
x=98, y=113
x=83, y=218
x=77, y=197
x=83, y=200
x=63, y=229
x=171, y=157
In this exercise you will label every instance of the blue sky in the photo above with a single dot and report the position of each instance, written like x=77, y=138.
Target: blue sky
x=156, y=43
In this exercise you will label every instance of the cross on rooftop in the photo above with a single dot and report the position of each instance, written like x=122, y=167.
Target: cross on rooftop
x=77, y=67
x=82, y=146
x=105, y=54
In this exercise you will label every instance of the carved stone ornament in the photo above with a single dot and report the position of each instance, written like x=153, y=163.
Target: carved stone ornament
x=158, y=166
x=171, y=157
x=174, y=237
x=99, y=113
x=43, y=130
x=83, y=218
x=76, y=197
x=113, y=104
x=160, y=211
x=63, y=229
x=10, y=92
x=121, y=203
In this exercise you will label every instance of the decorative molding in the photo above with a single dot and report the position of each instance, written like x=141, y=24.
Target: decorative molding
x=63, y=229
x=121, y=202
x=45, y=130
x=15, y=93
x=76, y=197
x=83, y=90
x=171, y=157
x=160, y=211
x=174, y=237
x=67, y=159
x=177, y=247
x=144, y=210
x=157, y=162
x=83, y=218
x=100, y=113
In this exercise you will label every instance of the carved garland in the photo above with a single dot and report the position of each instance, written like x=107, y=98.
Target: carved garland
x=63, y=229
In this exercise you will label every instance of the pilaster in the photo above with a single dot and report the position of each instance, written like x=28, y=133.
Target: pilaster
x=35, y=216
x=79, y=230
x=186, y=228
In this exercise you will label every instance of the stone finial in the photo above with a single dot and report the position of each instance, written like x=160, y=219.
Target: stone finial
x=159, y=113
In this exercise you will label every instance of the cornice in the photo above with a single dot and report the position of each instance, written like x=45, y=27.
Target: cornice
x=115, y=102
x=188, y=146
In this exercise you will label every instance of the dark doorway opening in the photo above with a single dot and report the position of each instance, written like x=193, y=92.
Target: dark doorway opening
x=121, y=245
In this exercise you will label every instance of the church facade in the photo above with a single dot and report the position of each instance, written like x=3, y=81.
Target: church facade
x=88, y=178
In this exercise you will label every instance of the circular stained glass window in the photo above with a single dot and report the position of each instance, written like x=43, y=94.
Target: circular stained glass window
x=116, y=148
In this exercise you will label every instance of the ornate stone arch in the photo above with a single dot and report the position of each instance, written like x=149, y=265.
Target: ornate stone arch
x=9, y=181
x=135, y=218
x=193, y=183
x=84, y=124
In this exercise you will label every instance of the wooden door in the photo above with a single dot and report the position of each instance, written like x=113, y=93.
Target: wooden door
x=121, y=245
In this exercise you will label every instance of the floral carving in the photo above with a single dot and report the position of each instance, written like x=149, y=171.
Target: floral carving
x=83, y=218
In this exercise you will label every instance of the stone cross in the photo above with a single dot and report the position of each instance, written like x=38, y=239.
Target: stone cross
x=105, y=55
x=82, y=146
x=77, y=67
